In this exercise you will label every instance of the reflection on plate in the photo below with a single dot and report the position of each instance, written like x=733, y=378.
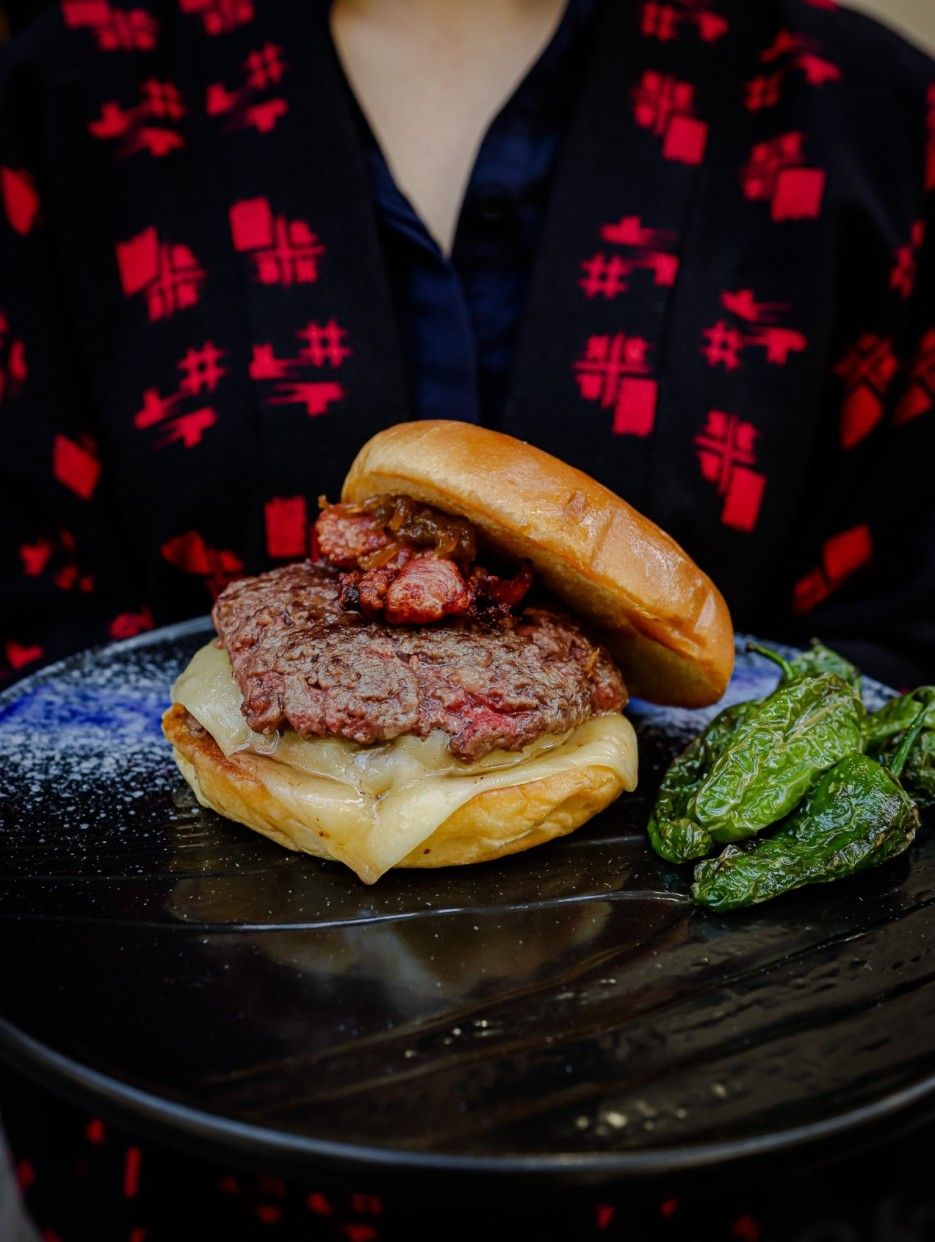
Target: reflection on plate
x=564, y=1013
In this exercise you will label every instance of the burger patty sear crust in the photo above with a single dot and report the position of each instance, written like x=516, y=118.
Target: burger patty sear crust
x=302, y=662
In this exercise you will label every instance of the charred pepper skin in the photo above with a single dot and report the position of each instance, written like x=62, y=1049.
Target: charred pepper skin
x=671, y=833
x=888, y=726
x=787, y=740
x=855, y=816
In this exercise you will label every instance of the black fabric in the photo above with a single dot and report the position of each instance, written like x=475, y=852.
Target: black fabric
x=729, y=321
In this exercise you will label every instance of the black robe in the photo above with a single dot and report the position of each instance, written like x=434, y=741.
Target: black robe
x=730, y=319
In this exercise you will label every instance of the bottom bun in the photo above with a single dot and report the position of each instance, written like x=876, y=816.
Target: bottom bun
x=492, y=824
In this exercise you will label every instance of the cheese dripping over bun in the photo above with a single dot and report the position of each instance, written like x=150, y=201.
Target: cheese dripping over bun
x=406, y=802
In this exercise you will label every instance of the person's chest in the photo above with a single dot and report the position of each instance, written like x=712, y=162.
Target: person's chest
x=690, y=299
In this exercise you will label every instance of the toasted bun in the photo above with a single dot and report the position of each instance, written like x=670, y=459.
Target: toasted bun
x=663, y=620
x=493, y=823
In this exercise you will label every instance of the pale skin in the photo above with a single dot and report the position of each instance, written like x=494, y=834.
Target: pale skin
x=430, y=76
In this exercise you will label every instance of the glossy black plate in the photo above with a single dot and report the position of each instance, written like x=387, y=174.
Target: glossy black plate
x=564, y=1016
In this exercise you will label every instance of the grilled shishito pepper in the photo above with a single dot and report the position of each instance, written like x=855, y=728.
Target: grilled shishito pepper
x=855, y=816
x=671, y=833
x=783, y=743
x=885, y=729
x=817, y=659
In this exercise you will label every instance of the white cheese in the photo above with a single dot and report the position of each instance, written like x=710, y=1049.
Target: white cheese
x=371, y=806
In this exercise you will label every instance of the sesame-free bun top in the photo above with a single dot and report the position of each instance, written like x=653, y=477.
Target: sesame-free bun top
x=663, y=620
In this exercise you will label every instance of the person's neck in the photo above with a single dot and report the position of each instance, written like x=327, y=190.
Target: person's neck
x=456, y=23
x=430, y=75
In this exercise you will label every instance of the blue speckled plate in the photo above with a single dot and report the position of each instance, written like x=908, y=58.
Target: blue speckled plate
x=563, y=1016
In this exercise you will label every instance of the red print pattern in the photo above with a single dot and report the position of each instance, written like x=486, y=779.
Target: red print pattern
x=665, y=21
x=219, y=16
x=284, y=252
x=903, y=271
x=867, y=370
x=12, y=361
x=55, y=557
x=116, y=30
x=614, y=371
x=18, y=655
x=788, y=53
x=646, y=290
x=20, y=199
x=150, y=125
x=726, y=456
x=244, y=106
x=323, y=347
x=201, y=374
x=777, y=173
x=842, y=555
x=126, y=625
x=166, y=273
x=666, y=107
x=76, y=465
x=607, y=275
x=919, y=396
x=289, y=533
x=751, y=326
x=194, y=555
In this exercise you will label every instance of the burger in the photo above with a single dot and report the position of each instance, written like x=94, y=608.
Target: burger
x=442, y=682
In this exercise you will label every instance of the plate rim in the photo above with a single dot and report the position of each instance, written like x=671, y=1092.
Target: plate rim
x=202, y=1128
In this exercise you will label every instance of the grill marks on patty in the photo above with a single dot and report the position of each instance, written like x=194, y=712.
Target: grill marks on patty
x=302, y=661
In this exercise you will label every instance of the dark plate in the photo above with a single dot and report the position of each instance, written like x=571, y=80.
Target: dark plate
x=564, y=1016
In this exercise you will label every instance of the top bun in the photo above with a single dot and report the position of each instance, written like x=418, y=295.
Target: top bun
x=663, y=620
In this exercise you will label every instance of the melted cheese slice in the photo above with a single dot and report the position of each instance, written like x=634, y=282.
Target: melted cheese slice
x=371, y=806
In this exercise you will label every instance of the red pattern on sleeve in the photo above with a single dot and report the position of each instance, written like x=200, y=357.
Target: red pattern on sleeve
x=255, y=102
x=284, y=380
x=778, y=173
x=905, y=261
x=644, y=249
x=192, y=554
x=172, y=414
x=76, y=464
x=789, y=53
x=867, y=370
x=666, y=107
x=842, y=555
x=284, y=252
x=666, y=21
x=151, y=125
x=55, y=556
x=20, y=199
x=288, y=529
x=114, y=30
x=19, y=655
x=615, y=372
x=919, y=396
x=726, y=457
x=219, y=16
x=166, y=273
x=13, y=370
x=752, y=325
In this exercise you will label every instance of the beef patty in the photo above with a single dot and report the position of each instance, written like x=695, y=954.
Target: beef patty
x=302, y=661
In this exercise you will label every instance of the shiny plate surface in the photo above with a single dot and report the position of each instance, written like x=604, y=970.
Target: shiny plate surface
x=564, y=1016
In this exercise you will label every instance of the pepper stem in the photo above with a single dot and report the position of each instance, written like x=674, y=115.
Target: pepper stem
x=906, y=745
x=774, y=656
